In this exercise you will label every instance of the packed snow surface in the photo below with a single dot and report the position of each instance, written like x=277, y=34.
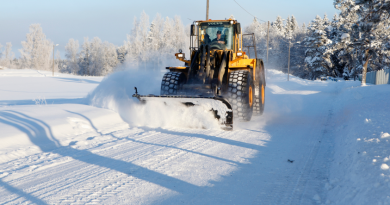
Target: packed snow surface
x=68, y=139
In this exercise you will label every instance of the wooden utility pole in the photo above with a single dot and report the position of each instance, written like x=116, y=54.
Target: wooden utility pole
x=288, y=71
x=207, y=11
x=267, y=41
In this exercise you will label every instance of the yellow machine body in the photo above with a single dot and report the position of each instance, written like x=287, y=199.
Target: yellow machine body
x=239, y=59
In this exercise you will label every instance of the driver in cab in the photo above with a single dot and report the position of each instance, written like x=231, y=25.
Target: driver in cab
x=219, y=39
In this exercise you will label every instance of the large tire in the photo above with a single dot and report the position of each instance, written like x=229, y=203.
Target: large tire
x=262, y=95
x=241, y=94
x=260, y=90
x=172, y=82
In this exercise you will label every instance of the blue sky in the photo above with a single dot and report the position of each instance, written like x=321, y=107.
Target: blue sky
x=112, y=20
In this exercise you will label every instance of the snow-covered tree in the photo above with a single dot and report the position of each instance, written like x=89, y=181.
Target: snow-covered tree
x=294, y=24
x=121, y=53
x=71, y=50
x=36, y=49
x=167, y=42
x=97, y=58
x=154, y=33
x=289, y=30
x=303, y=28
x=317, y=56
x=326, y=20
x=278, y=43
x=334, y=28
x=362, y=41
x=138, y=42
x=178, y=36
x=149, y=44
x=371, y=34
x=278, y=25
x=84, y=58
x=7, y=55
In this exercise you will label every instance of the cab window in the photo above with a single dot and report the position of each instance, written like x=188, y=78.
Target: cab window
x=208, y=35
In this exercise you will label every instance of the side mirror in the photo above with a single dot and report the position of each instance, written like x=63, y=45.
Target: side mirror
x=237, y=28
x=193, y=30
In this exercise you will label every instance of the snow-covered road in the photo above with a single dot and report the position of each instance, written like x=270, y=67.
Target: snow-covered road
x=68, y=152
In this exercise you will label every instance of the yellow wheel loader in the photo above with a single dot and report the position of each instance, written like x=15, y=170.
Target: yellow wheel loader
x=219, y=73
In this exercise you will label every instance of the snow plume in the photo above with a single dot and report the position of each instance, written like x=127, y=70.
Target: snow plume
x=115, y=92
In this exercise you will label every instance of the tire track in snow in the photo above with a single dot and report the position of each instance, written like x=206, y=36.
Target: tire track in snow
x=174, y=156
x=79, y=182
x=300, y=186
x=315, y=180
x=306, y=178
x=292, y=188
x=76, y=169
x=284, y=187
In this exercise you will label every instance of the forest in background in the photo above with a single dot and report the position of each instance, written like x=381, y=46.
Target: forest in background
x=355, y=39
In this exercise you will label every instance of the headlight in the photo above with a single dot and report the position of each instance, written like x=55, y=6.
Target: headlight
x=196, y=23
x=239, y=54
x=231, y=22
x=180, y=55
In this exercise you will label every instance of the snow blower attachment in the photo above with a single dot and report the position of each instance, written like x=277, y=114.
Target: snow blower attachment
x=220, y=107
x=219, y=76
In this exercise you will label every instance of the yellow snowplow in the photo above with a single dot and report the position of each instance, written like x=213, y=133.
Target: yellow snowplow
x=218, y=73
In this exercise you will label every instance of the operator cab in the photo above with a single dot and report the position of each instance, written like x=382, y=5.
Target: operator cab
x=218, y=35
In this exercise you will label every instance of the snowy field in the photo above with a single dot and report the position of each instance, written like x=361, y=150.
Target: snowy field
x=83, y=140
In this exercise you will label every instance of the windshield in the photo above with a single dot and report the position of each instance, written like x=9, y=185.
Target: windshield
x=218, y=35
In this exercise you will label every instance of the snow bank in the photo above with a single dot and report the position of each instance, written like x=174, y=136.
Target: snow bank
x=26, y=130
x=33, y=104
x=360, y=171
x=30, y=87
x=115, y=92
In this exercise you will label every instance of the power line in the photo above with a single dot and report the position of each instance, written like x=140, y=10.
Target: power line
x=248, y=11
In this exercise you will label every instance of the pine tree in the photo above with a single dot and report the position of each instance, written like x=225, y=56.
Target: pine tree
x=278, y=25
x=294, y=24
x=317, y=57
x=326, y=20
x=365, y=24
x=371, y=34
x=346, y=61
x=303, y=28
x=288, y=29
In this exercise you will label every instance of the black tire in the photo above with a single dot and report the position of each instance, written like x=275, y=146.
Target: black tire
x=262, y=94
x=256, y=106
x=171, y=83
x=238, y=94
x=259, y=92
